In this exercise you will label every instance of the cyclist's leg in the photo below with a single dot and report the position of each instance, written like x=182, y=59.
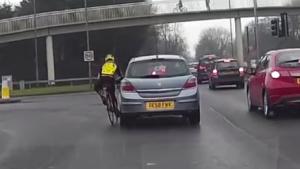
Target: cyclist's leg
x=100, y=90
x=113, y=96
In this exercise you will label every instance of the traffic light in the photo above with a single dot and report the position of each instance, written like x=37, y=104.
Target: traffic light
x=284, y=25
x=275, y=27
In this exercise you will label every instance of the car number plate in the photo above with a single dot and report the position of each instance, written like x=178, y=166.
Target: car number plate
x=228, y=73
x=155, y=106
x=298, y=81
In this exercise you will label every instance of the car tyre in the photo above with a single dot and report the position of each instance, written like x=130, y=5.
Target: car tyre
x=211, y=86
x=269, y=113
x=251, y=107
x=241, y=85
x=124, y=120
x=194, y=118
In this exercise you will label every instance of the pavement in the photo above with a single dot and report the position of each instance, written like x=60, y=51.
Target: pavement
x=72, y=131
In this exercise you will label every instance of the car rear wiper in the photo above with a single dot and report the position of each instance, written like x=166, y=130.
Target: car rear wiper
x=149, y=76
x=290, y=61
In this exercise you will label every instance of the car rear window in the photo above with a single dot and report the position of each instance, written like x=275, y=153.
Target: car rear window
x=289, y=59
x=157, y=68
x=227, y=65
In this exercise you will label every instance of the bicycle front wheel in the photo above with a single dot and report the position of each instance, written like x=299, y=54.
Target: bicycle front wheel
x=111, y=111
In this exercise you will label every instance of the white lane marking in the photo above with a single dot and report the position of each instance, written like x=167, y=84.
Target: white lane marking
x=151, y=164
x=276, y=152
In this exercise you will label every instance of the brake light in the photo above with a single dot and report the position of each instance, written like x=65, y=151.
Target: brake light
x=275, y=75
x=192, y=82
x=127, y=87
x=202, y=67
x=215, y=72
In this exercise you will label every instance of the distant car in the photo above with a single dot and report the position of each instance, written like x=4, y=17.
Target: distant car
x=226, y=72
x=276, y=82
x=193, y=68
x=203, y=67
x=159, y=85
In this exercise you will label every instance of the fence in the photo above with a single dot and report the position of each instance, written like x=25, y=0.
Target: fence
x=46, y=83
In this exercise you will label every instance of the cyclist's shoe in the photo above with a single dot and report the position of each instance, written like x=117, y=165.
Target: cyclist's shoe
x=104, y=102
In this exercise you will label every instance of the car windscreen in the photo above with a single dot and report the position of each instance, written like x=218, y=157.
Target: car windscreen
x=157, y=68
x=289, y=59
x=227, y=65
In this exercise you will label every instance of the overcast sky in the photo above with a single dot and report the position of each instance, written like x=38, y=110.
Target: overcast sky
x=192, y=30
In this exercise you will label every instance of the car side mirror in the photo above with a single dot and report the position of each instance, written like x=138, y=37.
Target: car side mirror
x=252, y=70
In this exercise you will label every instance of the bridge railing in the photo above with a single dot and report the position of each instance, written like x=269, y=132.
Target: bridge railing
x=120, y=11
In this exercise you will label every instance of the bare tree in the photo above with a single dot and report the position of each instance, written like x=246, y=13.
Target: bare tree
x=214, y=41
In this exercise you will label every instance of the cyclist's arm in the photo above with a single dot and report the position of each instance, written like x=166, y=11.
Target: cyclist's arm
x=99, y=72
x=119, y=73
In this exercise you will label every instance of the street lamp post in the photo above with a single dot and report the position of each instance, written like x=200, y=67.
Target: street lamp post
x=88, y=40
x=35, y=43
x=256, y=28
x=231, y=36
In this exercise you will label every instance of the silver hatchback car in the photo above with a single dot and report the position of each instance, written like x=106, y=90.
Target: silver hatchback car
x=159, y=85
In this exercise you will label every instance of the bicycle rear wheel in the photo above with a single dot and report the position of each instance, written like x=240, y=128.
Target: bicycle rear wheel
x=111, y=110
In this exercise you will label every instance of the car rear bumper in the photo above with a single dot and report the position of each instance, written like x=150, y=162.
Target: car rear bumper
x=183, y=105
x=286, y=100
x=227, y=80
x=202, y=76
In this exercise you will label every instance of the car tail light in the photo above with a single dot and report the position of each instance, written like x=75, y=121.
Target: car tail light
x=127, y=87
x=215, y=72
x=242, y=71
x=192, y=82
x=202, y=67
x=275, y=74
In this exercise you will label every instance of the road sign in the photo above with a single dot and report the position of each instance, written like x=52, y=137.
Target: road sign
x=8, y=78
x=89, y=56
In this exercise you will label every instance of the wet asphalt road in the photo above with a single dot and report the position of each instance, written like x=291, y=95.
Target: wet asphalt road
x=72, y=132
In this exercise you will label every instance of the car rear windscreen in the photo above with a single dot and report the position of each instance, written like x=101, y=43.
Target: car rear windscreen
x=227, y=65
x=289, y=59
x=157, y=68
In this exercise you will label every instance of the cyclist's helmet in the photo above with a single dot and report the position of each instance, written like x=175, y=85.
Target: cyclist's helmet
x=109, y=57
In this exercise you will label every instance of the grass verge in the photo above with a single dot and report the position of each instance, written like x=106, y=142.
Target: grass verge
x=50, y=90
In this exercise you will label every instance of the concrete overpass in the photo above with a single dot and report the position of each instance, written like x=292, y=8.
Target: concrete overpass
x=118, y=16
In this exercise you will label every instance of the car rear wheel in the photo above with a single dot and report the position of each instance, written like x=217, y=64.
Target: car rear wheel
x=194, y=118
x=251, y=107
x=241, y=85
x=212, y=86
x=267, y=109
x=124, y=120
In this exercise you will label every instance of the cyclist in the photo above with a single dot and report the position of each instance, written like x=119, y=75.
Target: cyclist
x=180, y=5
x=207, y=2
x=106, y=77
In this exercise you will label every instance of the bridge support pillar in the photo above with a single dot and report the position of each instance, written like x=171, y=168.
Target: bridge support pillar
x=239, y=41
x=50, y=58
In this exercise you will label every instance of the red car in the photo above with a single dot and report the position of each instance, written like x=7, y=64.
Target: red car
x=275, y=82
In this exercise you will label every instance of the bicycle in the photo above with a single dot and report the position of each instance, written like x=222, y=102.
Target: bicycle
x=111, y=106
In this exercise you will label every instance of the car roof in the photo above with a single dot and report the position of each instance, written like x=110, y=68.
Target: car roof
x=152, y=57
x=193, y=63
x=208, y=57
x=223, y=59
x=286, y=50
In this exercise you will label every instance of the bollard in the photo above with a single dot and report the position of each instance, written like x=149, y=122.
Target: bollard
x=5, y=90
